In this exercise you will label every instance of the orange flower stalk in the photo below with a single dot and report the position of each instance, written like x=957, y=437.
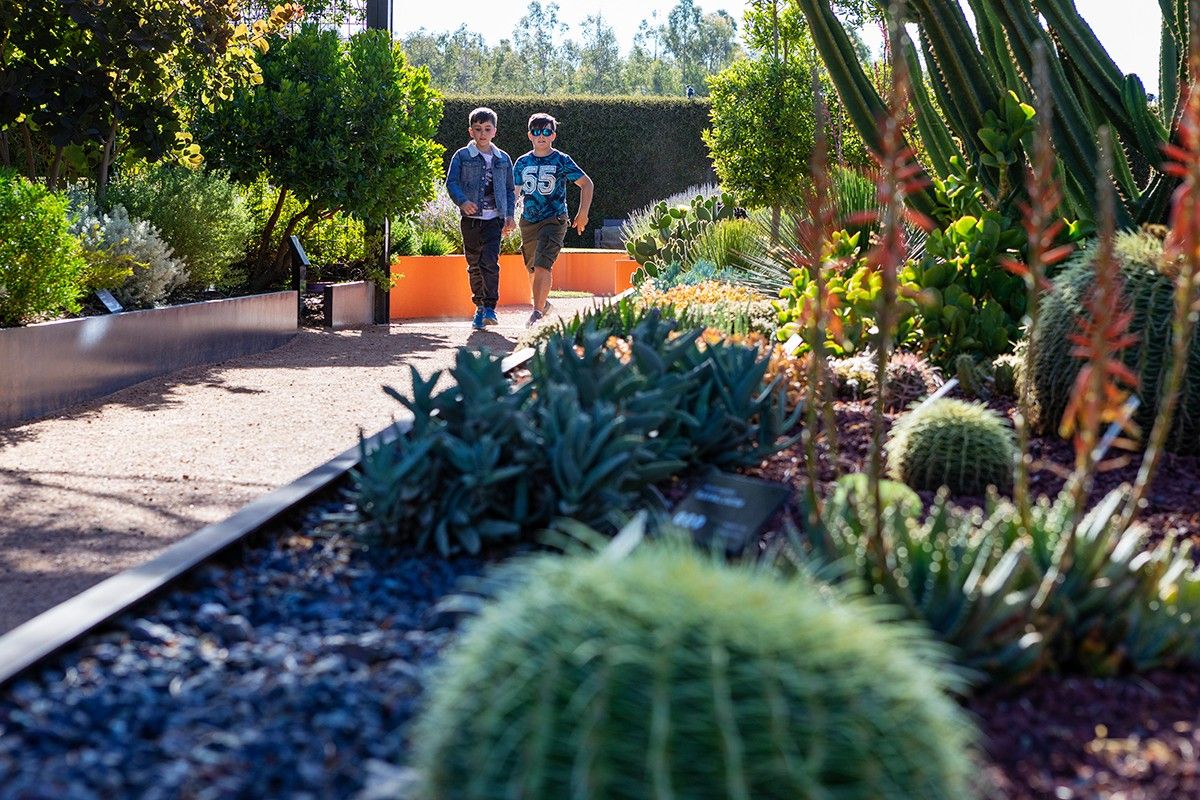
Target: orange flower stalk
x=1183, y=245
x=1042, y=227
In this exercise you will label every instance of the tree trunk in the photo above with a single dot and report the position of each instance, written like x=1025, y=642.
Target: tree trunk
x=55, y=169
x=776, y=215
x=30, y=170
x=105, y=162
x=264, y=244
x=277, y=271
x=5, y=155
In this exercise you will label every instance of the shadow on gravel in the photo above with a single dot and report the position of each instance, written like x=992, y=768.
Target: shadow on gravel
x=491, y=341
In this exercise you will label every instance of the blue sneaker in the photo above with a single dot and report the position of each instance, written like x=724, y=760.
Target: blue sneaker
x=477, y=323
x=489, y=317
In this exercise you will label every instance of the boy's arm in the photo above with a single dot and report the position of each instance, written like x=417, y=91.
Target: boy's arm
x=586, y=188
x=454, y=186
x=510, y=221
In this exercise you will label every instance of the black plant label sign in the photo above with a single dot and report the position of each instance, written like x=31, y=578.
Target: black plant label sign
x=729, y=509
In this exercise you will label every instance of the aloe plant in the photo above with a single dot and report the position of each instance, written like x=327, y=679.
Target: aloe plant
x=976, y=75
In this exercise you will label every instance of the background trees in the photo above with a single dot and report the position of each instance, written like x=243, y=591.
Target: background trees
x=542, y=57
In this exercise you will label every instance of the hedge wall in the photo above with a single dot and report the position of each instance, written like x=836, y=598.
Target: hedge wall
x=636, y=149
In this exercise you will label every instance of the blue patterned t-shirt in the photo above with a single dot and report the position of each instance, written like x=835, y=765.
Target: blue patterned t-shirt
x=543, y=182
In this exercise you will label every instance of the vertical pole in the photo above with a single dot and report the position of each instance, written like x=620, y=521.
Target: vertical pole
x=379, y=16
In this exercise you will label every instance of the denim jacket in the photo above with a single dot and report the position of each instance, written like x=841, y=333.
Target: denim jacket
x=464, y=179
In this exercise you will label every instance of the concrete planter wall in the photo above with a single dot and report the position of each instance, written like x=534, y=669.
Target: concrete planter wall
x=437, y=286
x=47, y=367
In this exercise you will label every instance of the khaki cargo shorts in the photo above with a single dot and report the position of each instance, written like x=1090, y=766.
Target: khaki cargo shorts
x=541, y=241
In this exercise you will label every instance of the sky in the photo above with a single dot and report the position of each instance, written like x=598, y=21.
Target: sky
x=1128, y=28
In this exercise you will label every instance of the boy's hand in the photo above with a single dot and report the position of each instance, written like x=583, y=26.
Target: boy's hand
x=469, y=208
x=581, y=221
x=510, y=225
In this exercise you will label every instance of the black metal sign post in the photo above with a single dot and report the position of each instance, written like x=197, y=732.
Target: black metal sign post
x=379, y=16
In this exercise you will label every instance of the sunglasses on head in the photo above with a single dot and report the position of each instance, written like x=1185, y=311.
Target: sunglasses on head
x=542, y=131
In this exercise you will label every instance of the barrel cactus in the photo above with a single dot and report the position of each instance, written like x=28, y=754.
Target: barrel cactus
x=963, y=446
x=909, y=378
x=667, y=674
x=1149, y=294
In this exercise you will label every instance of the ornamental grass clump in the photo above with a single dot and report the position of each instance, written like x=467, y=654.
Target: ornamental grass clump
x=963, y=446
x=667, y=674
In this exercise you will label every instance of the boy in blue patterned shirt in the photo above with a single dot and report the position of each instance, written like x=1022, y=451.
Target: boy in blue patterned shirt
x=541, y=176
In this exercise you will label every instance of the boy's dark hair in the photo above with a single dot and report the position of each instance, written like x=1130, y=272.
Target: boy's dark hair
x=541, y=120
x=482, y=114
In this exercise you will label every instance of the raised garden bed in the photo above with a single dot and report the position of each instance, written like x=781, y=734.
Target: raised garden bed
x=53, y=365
x=437, y=286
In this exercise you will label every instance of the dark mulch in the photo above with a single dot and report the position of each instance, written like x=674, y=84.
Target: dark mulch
x=1133, y=737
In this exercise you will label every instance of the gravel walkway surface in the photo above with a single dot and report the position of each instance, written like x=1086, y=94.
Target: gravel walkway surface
x=107, y=485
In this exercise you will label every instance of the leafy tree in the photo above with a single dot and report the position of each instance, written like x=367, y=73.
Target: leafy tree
x=600, y=58
x=96, y=76
x=343, y=126
x=763, y=163
x=536, y=39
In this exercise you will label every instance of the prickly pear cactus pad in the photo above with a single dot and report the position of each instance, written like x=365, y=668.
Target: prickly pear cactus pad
x=667, y=675
x=963, y=446
x=1150, y=295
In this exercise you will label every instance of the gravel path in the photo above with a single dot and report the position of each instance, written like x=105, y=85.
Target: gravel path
x=108, y=484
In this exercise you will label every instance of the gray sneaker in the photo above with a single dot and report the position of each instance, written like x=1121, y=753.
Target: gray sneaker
x=534, y=318
x=546, y=311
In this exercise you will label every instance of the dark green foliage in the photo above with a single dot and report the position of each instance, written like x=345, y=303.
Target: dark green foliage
x=340, y=125
x=1150, y=294
x=41, y=266
x=637, y=150
x=199, y=214
x=585, y=437
x=667, y=674
x=405, y=240
x=965, y=447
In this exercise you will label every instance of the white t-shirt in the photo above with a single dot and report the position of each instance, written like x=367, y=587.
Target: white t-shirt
x=488, y=209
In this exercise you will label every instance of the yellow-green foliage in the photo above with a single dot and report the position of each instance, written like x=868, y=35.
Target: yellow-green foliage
x=667, y=674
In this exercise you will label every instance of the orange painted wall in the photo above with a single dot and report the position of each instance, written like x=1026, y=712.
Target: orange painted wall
x=437, y=286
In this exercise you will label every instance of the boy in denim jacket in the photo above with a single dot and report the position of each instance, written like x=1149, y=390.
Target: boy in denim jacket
x=542, y=175
x=480, y=182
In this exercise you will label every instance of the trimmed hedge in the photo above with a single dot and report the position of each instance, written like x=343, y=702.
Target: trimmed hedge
x=636, y=149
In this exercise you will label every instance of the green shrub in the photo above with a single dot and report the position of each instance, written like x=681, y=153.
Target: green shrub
x=404, y=240
x=41, y=265
x=665, y=674
x=435, y=243
x=1149, y=292
x=336, y=241
x=963, y=446
x=114, y=236
x=201, y=215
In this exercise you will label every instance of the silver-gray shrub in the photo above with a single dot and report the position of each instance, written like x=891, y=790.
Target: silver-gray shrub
x=156, y=270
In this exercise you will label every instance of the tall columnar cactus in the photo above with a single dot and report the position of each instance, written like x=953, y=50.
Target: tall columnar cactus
x=971, y=74
x=1149, y=294
x=666, y=674
x=963, y=446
